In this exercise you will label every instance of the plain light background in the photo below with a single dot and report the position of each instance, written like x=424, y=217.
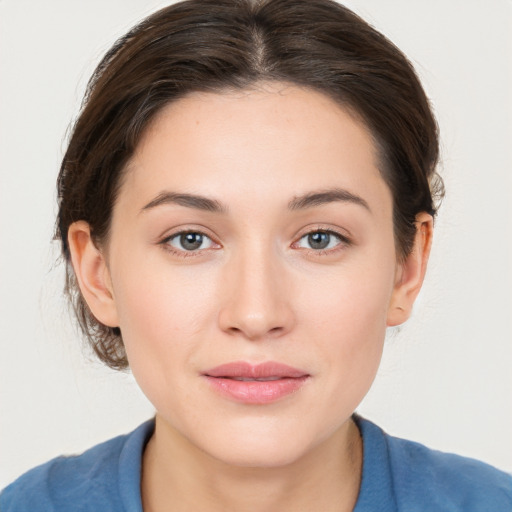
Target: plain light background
x=446, y=378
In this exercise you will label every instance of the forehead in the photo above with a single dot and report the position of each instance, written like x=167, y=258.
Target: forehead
x=276, y=138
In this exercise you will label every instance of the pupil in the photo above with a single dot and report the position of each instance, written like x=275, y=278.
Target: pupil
x=319, y=240
x=191, y=241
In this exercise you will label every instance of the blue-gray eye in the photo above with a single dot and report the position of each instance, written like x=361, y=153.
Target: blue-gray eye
x=319, y=240
x=190, y=241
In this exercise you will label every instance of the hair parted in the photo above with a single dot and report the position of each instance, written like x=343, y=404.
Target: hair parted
x=216, y=45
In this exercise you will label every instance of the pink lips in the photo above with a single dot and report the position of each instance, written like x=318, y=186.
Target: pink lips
x=255, y=384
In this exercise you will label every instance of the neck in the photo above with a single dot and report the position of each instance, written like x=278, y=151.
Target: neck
x=178, y=476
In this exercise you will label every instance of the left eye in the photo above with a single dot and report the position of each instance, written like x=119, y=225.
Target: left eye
x=190, y=241
x=319, y=240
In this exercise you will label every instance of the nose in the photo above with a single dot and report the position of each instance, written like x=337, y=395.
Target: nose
x=257, y=302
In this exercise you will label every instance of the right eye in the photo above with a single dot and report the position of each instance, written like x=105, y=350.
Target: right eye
x=189, y=241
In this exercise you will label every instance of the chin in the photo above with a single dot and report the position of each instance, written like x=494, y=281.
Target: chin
x=274, y=454
x=262, y=442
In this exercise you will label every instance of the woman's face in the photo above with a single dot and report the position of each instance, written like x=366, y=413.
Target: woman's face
x=253, y=227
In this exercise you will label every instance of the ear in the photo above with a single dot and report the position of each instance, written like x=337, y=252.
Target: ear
x=92, y=274
x=411, y=272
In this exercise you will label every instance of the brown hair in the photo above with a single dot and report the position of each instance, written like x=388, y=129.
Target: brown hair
x=214, y=45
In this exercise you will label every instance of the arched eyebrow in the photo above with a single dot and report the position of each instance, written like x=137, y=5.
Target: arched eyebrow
x=188, y=200
x=321, y=197
x=309, y=200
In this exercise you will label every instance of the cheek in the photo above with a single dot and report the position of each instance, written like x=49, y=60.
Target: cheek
x=349, y=320
x=161, y=315
x=349, y=300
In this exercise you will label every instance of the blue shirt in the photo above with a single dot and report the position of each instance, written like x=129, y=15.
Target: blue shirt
x=398, y=476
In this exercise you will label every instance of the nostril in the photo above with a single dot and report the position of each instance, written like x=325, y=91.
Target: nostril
x=255, y=333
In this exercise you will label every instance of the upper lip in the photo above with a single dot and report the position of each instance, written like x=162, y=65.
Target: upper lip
x=246, y=370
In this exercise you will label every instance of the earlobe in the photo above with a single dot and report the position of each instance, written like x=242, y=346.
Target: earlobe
x=92, y=274
x=411, y=272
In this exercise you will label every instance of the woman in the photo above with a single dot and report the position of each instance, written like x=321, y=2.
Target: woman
x=245, y=205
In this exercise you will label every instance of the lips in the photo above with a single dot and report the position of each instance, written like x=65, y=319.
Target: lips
x=255, y=384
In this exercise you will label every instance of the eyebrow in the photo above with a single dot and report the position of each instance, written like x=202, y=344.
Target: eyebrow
x=309, y=200
x=322, y=197
x=187, y=200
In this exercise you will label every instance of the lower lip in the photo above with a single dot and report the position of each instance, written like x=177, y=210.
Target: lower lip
x=256, y=392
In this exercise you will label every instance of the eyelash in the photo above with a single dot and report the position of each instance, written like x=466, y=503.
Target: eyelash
x=183, y=253
x=343, y=242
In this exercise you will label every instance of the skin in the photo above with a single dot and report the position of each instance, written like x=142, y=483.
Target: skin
x=255, y=290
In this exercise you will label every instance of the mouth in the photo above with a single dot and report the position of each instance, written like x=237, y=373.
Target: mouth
x=255, y=384
x=249, y=379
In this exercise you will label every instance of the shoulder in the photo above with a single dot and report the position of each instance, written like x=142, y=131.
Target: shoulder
x=449, y=481
x=444, y=481
x=89, y=481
